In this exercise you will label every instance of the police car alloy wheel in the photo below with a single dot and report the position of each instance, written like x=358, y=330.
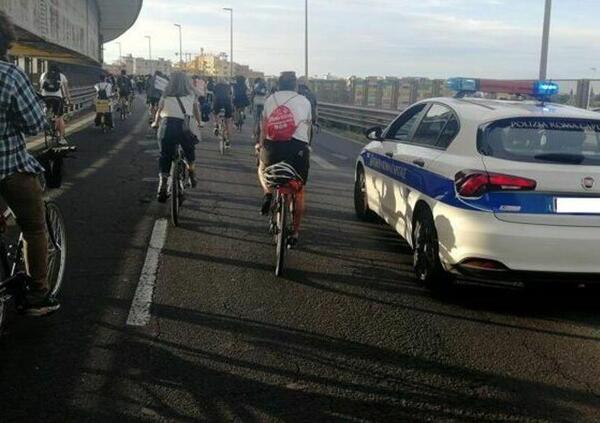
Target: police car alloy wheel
x=426, y=261
x=360, y=198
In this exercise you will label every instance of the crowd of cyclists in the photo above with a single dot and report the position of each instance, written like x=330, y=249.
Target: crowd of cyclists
x=284, y=114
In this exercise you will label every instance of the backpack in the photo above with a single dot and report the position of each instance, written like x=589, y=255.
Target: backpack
x=281, y=124
x=102, y=95
x=124, y=84
x=52, y=82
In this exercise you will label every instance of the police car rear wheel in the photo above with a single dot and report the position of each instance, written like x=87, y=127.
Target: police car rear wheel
x=361, y=205
x=426, y=262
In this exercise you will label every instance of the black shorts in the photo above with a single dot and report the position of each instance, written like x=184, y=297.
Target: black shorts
x=241, y=102
x=295, y=153
x=56, y=104
x=219, y=104
x=153, y=101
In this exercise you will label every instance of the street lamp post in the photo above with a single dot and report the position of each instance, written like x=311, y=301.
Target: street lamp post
x=120, y=53
x=149, y=46
x=150, y=67
x=180, y=47
x=545, y=37
x=306, y=40
x=230, y=10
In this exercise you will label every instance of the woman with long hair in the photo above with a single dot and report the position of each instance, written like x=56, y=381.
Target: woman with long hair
x=177, y=104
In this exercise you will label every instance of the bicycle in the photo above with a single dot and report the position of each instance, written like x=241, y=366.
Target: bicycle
x=179, y=179
x=286, y=184
x=239, y=118
x=123, y=107
x=130, y=101
x=220, y=131
x=12, y=264
x=103, y=108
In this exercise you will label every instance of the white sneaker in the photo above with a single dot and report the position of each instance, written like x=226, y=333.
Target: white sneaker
x=63, y=142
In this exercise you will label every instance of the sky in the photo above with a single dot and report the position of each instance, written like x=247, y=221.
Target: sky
x=427, y=38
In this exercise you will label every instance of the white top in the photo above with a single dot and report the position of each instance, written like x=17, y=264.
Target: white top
x=171, y=108
x=59, y=93
x=104, y=86
x=200, y=87
x=298, y=105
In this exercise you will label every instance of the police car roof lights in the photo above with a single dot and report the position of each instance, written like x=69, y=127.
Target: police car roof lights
x=542, y=90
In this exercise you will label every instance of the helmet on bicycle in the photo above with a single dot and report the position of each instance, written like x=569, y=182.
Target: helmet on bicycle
x=280, y=174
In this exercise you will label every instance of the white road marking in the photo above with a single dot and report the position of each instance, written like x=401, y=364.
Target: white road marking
x=322, y=162
x=153, y=151
x=339, y=156
x=71, y=129
x=139, y=312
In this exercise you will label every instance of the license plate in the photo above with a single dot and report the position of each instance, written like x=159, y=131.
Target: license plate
x=578, y=205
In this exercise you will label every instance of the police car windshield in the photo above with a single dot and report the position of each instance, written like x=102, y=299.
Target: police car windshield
x=542, y=140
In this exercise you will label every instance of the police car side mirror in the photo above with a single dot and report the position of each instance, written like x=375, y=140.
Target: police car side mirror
x=374, y=133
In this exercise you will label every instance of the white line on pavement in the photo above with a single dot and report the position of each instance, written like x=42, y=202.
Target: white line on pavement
x=322, y=162
x=339, y=156
x=71, y=129
x=139, y=312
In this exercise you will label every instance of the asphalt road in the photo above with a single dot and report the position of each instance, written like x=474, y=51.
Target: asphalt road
x=346, y=335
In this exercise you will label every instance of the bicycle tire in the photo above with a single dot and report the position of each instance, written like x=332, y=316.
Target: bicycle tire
x=281, y=233
x=222, y=144
x=57, y=247
x=175, y=193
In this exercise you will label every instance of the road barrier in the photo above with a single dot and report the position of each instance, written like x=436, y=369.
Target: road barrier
x=83, y=98
x=355, y=118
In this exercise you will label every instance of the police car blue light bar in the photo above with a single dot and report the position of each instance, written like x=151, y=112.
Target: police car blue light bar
x=539, y=89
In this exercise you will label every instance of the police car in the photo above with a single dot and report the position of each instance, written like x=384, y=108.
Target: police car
x=487, y=188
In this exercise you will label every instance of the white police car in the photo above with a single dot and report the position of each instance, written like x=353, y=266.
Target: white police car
x=489, y=188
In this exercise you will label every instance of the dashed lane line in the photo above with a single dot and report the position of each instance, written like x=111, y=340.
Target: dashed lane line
x=139, y=312
x=322, y=162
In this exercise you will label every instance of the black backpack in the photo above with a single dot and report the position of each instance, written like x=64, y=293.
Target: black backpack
x=52, y=82
x=102, y=94
x=124, y=84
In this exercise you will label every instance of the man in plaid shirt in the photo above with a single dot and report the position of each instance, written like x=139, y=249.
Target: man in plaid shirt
x=20, y=113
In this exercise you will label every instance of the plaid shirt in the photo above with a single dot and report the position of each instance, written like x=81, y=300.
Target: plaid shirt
x=20, y=114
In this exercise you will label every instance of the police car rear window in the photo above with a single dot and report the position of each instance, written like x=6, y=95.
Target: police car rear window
x=542, y=140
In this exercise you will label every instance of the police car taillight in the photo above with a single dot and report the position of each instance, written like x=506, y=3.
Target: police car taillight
x=541, y=90
x=473, y=184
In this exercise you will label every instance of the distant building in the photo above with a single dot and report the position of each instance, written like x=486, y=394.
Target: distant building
x=217, y=65
x=139, y=65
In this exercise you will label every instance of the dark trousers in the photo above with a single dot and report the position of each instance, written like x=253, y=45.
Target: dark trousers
x=168, y=145
x=23, y=194
x=107, y=119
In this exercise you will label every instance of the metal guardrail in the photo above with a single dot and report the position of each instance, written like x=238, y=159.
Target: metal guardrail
x=355, y=117
x=83, y=98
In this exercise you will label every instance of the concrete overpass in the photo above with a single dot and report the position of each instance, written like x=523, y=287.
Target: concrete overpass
x=70, y=31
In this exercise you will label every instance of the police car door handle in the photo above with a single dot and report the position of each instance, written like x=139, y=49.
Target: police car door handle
x=389, y=154
x=419, y=163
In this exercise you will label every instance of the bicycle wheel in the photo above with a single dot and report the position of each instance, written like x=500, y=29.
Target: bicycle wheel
x=57, y=247
x=175, y=199
x=222, y=144
x=281, y=233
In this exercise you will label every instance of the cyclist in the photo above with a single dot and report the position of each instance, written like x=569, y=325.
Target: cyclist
x=154, y=90
x=124, y=90
x=179, y=94
x=285, y=131
x=200, y=88
x=259, y=95
x=222, y=100
x=131, y=93
x=20, y=113
x=55, y=90
x=240, y=98
x=104, y=93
